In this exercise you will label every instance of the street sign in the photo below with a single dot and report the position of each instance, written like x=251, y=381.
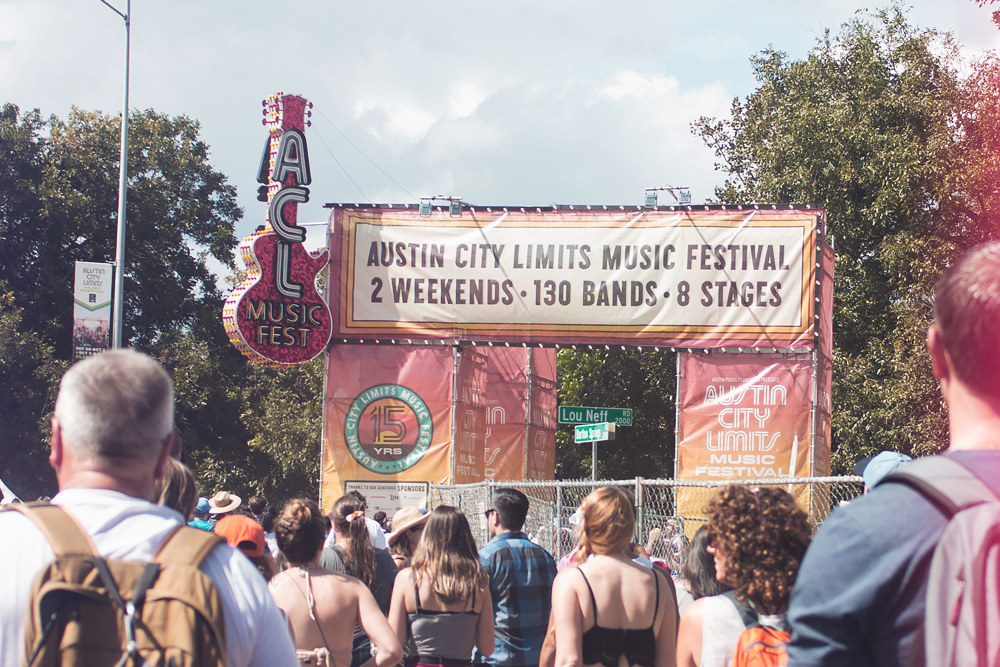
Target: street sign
x=575, y=414
x=595, y=432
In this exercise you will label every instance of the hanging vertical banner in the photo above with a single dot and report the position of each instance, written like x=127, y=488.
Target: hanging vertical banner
x=387, y=416
x=506, y=372
x=824, y=366
x=540, y=448
x=91, y=308
x=744, y=416
x=470, y=416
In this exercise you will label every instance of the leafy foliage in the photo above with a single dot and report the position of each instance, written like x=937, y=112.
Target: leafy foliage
x=642, y=380
x=878, y=127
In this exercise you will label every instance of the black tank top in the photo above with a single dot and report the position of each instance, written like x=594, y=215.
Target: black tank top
x=605, y=646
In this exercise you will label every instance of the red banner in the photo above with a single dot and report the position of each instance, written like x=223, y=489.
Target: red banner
x=388, y=415
x=744, y=415
x=505, y=405
x=541, y=444
x=470, y=416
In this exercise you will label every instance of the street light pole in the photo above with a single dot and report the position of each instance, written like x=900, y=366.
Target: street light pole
x=116, y=330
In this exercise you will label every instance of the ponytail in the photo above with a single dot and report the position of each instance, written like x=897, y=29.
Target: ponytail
x=349, y=519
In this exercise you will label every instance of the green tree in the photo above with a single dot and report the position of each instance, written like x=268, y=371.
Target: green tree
x=59, y=202
x=29, y=377
x=878, y=127
x=642, y=380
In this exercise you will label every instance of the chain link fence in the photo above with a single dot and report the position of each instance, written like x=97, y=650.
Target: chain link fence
x=668, y=511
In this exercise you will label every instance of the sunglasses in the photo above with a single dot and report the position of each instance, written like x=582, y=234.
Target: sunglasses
x=415, y=529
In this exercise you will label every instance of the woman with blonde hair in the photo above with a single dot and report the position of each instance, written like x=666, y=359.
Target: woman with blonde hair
x=323, y=606
x=441, y=604
x=608, y=609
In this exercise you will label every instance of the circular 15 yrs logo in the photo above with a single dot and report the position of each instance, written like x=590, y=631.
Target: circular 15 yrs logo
x=388, y=428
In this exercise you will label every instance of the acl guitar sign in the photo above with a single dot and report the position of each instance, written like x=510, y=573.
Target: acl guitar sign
x=276, y=315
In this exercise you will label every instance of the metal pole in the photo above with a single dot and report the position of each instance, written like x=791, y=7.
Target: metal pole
x=593, y=461
x=116, y=331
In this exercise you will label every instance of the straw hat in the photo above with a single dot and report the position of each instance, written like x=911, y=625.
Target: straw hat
x=403, y=520
x=223, y=502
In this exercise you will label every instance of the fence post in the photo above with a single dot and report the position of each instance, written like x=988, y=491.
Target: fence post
x=558, y=548
x=640, y=523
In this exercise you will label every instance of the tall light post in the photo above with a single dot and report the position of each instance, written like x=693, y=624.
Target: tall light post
x=116, y=329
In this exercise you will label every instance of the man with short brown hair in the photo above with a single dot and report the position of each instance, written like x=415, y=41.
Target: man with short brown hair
x=860, y=595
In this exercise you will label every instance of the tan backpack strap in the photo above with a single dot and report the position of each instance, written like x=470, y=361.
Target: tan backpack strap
x=59, y=527
x=186, y=546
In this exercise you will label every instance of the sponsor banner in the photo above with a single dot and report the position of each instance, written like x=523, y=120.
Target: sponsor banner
x=390, y=497
x=470, y=416
x=744, y=416
x=387, y=415
x=709, y=278
x=506, y=373
x=541, y=444
x=91, y=308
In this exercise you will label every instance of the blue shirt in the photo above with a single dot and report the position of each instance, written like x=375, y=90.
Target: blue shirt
x=859, y=596
x=521, y=574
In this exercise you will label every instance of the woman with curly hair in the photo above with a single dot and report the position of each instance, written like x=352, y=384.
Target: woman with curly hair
x=374, y=567
x=607, y=608
x=441, y=604
x=758, y=537
x=323, y=606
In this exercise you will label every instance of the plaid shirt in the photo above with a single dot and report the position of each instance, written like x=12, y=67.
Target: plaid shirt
x=521, y=574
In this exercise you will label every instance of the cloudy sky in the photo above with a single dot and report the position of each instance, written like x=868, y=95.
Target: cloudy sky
x=505, y=102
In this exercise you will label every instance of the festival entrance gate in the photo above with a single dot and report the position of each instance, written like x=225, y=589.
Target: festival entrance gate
x=441, y=326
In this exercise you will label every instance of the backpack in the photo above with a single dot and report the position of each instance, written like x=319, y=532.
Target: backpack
x=86, y=610
x=962, y=617
x=758, y=645
x=761, y=646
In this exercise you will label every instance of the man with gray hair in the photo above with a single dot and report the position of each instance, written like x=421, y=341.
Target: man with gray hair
x=111, y=435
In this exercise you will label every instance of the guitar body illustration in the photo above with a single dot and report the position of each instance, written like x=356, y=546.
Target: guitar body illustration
x=276, y=315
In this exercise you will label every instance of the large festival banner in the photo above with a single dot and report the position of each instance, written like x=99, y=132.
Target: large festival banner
x=540, y=448
x=387, y=416
x=506, y=387
x=470, y=416
x=711, y=277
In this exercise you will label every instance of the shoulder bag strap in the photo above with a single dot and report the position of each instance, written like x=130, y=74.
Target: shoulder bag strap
x=743, y=607
x=59, y=527
x=945, y=482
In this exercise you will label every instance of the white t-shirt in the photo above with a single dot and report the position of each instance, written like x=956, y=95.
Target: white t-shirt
x=721, y=627
x=127, y=528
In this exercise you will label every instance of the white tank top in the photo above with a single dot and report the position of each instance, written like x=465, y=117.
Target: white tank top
x=720, y=629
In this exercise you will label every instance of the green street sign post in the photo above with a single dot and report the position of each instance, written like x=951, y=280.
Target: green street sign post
x=576, y=414
x=594, y=433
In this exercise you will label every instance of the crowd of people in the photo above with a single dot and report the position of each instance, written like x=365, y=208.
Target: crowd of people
x=298, y=586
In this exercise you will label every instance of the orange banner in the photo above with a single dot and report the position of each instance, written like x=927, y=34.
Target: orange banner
x=744, y=416
x=387, y=416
